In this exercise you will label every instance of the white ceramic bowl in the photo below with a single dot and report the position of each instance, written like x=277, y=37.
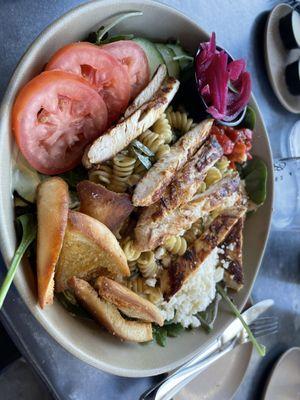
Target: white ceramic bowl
x=86, y=340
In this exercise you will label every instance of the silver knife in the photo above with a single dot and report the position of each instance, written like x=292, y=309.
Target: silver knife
x=250, y=315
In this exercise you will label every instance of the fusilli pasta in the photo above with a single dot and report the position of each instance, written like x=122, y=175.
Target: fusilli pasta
x=102, y=175
x=123, y=167
x=213, y=176
x=130, y=251
x=154, y=142
x=147, y=264
x=163, y=128
x=139, y=286
x=179, y=120
x=176, y=245
x=223, y=164
x=194, y=232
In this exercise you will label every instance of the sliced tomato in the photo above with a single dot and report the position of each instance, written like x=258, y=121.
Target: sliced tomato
x=107, y=75
x=134, y=58
x=54, y=117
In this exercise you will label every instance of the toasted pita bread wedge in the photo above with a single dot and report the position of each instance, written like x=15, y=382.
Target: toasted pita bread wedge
x=131, y=304
x=232, y=258
x=187, y=181
x=108, y=315
x=186, y=265
x=52, y=213
x=88, y=247
x=106, y=206
x=149, y=91
x=151, y=187
x=155, y=225
x=128, y=129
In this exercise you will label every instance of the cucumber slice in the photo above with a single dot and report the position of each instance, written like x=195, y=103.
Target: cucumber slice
x=153, y=55
x=168, y=56
x=179, y=51
x=25, y=180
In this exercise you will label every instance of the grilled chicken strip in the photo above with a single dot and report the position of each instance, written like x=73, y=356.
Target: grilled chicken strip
x=128, y=129
x=187, y=181
x=186, y=265
x=232, y=259
x=154, y=226
x=153, y=184
x=149, y=91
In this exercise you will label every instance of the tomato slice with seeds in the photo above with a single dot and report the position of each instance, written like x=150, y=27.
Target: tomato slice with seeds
x=54, y=117
x=101, y=69
x=134, y=58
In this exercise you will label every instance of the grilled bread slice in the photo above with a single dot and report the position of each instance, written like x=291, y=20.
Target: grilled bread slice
x=151, y=187
x=128, y=129
x=52, y=213
x=154, y=225
x=108, y=315
x=131, y=304
x=186, y=265
x=187, y=181
x=106, y=206
x=88, y=248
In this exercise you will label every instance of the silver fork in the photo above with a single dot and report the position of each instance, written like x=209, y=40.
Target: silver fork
x=177, y=380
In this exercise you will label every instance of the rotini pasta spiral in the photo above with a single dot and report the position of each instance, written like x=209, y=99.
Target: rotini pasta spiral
x=123, y=167
x=179, y=120
x=194, y=232
x=102, y=175
x=176, y=245
x=163, y=128
x=130, y=251
x=139, y=286
x=213, y=176
x=147, y=264
x=154, y=142
x=223, y=164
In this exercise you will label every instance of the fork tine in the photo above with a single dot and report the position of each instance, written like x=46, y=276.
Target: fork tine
x=264, y=319
x=265, y=332
x=264, y=326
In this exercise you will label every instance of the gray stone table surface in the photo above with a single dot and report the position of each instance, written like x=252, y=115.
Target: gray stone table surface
x=240, y=27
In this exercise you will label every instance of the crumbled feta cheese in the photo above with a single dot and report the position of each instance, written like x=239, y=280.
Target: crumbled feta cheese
x=151, y=282
x=195, y=295
x=231, y=246
x=159, y=253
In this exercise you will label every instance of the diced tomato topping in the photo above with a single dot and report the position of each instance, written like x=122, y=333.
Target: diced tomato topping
x=236, y=143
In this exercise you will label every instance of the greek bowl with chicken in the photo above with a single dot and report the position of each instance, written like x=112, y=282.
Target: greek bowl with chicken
x=140, y=157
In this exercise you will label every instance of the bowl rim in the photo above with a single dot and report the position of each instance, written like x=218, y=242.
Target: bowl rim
x=7, y=248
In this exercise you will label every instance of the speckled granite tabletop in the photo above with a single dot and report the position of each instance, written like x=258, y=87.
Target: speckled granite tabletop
x=240, y=28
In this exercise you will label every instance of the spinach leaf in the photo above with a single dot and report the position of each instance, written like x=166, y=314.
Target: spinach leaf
x=160, y=335
x=255, y=174
x=170, y=329
x=28, y=224
x=69, y=302
x=249, y=119
x=173, y=329
x=74, y=176
x=208, y=317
